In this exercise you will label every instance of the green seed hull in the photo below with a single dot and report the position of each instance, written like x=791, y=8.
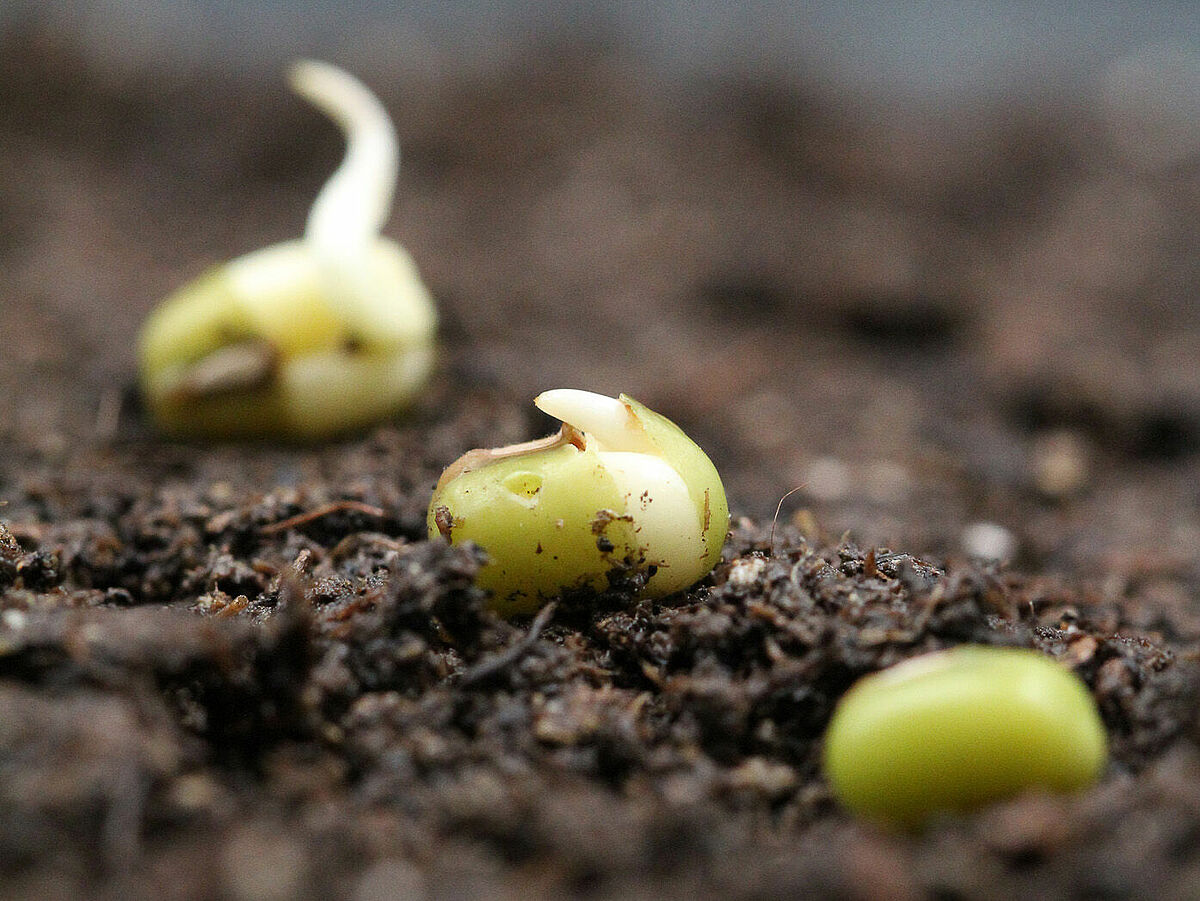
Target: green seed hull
x=953, y=731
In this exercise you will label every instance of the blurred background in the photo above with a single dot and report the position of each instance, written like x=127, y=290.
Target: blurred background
x=935, y=263
x=927, y=52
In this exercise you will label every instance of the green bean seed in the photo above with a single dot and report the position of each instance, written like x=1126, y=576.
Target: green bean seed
x=956, y=730
x=619, y=487
x=305, y=338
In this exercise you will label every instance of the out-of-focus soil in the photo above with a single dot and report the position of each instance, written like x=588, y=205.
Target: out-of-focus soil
x=964, y=336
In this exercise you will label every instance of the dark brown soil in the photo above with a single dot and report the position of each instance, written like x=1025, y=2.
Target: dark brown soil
x=929, y=323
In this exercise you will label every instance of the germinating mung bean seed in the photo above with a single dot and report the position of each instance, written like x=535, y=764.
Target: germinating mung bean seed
x=618, y=488
x=309, y=337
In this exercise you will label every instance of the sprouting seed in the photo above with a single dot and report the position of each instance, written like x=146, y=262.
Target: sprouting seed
x=955, y=730
x=620, y=488
x=306, y=338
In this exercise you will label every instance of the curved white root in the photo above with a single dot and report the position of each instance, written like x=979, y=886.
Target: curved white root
x=356, y=200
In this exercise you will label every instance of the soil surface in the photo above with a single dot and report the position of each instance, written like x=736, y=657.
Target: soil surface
x=240, y=671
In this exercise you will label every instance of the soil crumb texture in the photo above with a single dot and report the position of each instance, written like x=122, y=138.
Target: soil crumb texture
x=242, y=671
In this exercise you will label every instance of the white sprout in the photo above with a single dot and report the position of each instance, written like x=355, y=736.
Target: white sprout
x=354, y=203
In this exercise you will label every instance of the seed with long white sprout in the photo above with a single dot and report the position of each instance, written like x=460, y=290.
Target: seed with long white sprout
x=306, y=338
x=620, y=489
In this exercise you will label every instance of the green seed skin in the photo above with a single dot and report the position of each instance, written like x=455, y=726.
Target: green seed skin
x=959, y=729
x=525, y=512
x=555, y=520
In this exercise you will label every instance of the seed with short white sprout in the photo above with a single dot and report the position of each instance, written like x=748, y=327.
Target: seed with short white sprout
x=620, y=489
x=306, y=338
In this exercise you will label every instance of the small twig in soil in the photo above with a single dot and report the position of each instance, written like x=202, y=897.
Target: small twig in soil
x=352, y=542
x=485, y=669
x=870, y=570
x=775, y=519
x=303, y=518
